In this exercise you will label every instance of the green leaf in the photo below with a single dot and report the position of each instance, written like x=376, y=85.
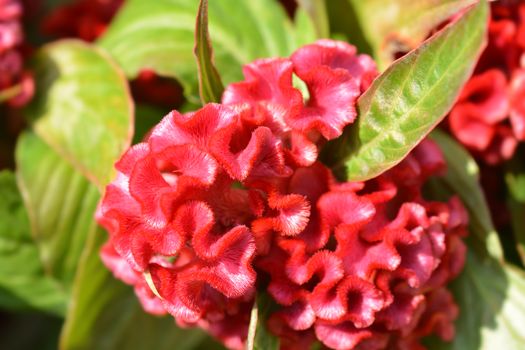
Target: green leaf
x=158, y=35
x=491, y=300
x=317, y=11
x=60, y=203
x=409, y=99
x=515, y=179
x=259, y=338
x=344, y=24
x=24, y=285
x=304, y=31
x=517, y=215
x=392, y=26
x=515, y=176
x=210, y=84
x=462, y=179
x=83, y=107
x=104, y=314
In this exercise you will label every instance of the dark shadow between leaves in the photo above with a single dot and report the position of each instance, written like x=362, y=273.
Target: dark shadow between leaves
x=46, y=72
x=24, y=331
x=344, y=20
x=335, y=153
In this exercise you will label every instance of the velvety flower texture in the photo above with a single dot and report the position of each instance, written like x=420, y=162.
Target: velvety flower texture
x=229, y=201
x=15, y=83
x=489, y=117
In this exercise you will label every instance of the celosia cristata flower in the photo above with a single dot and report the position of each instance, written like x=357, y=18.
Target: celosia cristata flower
x=229, y=201
x=15, y=84
x=489, y=117
x=378, y=261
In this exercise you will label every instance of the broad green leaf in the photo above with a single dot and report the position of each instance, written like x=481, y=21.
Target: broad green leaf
x=24, y=285
x=104, y=314
x=82, y=107
x=60, y=203
x=491, y=300
x=317, y=11
x=158, y=35
x=393, y=26
x=462, y=179
x=409, y=99
x=259, y=338
x=210, y=84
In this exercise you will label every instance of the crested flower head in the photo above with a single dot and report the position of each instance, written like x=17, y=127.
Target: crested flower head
x=489, y=117
x=229, y=201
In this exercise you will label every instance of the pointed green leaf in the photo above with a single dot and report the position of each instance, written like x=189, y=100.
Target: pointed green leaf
x=462, y=179
x=210, y=84
x=316, y=10
x=304, y=31
x=259, y=338
x=159, y=35
x=409, y=99
x=61, y=204
x=491, y=300
x=83, y=107
x=24, y=285
x=392, y=26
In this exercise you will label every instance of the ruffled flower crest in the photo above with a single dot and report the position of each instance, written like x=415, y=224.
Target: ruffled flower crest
x=489, y=117
x=229, y=201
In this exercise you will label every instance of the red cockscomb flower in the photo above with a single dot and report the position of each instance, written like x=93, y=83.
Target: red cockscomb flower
x=216, y=202
x=383, y=255
x=489, y=117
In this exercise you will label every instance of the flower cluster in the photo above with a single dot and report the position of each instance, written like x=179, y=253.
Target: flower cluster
x=369, y=270
x=489, y=117
x=229, y=201
x=16, y=85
